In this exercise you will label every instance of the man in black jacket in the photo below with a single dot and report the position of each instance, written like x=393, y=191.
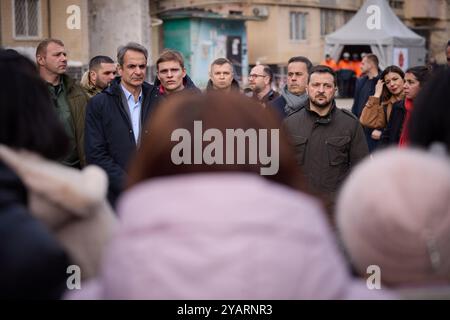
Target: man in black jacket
x=171, y=74
x=293, y=95
x=115, y=118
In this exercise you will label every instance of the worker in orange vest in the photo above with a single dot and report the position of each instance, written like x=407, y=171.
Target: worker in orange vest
x=346, y=76
x=329, y=62
x=345, y=63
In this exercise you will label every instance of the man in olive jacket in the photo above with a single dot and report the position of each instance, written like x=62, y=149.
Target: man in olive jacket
x=328, y=141
x=68, y=97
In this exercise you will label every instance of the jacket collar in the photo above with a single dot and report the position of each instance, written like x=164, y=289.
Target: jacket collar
x=321, y=119
x=234, y=86
x=67, y=81
x=187, y=82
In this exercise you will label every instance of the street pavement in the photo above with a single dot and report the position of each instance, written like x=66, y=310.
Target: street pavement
x=344, y=103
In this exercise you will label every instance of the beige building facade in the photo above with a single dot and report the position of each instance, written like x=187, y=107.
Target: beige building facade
x=288, y=28
x=24, y=23
x=87, y=27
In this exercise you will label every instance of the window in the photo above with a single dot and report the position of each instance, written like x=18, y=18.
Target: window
x=327, y=21
x=298, y=26
x=26, y=18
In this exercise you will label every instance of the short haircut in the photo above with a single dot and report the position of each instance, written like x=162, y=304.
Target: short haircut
x=268, y=72
x=221, y=62
x=133, y=46
x=97, y=61
x=323, y=69
x=42, y=46
x=305, y=60
x=448, y=43
x=170, y=55
x=373, y=58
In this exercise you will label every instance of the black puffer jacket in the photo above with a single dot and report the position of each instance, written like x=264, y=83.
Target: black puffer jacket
x=33, y=265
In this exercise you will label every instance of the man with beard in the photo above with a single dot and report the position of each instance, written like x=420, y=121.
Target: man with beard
x=293, y=95
x=102, y=70
x=328, y=141
x=260, y=81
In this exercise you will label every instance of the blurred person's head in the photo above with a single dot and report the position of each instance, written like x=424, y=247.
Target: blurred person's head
x=346, y=55
x=132, y=64
x=297, y=74
x=170, y=70
x=221, y=74
x=216, y=112
x=27, y=118
x=322, y=84
x=355, y=57
x=403, y=224
x=393, y=78
x=260, y=78
x=369, y=64
x=415, y=79
x=51, y=57
x=430, y=119
x=102, y=70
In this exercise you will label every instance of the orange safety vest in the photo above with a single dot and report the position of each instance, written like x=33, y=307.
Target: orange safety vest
x=345, y=65
x=330, y=63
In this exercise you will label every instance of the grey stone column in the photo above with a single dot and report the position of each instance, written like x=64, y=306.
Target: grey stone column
x=116, y=22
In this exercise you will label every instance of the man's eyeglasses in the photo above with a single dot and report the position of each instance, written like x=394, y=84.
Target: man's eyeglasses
x=252, y=76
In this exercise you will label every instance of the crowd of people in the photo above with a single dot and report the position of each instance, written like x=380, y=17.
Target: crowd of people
x=87, y=179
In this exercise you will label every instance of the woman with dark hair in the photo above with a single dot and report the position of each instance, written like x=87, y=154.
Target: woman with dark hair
x=397, y=130
x=388, y=96
x=430, y=119
x=33, y=264
x=201, y=222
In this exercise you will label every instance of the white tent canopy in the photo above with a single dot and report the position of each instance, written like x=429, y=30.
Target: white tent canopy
x=377, y=26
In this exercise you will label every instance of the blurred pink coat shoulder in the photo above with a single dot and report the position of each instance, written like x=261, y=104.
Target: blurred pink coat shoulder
x=222, y=236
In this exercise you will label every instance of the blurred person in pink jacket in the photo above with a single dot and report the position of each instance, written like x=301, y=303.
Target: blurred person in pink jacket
x=219, y=231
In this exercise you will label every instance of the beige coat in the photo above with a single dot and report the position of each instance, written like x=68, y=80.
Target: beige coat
x=71, y=203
